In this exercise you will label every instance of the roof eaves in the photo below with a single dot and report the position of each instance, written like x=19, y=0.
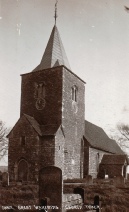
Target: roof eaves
x=12, y=128
x=116, y=159
x=51, y=133
x=74, y=74
x=102, y=149
x=45, y=69
x=54, y=68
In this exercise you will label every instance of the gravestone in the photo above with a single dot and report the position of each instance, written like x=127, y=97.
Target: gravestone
x=106, y=176
x=50, y=187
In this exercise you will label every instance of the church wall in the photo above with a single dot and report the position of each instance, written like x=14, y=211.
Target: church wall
x=47, y=151
x=85, y=158
x=73, y=114
x=51, y=94
x=95, y=157
x=59, y=150
x=17, y=151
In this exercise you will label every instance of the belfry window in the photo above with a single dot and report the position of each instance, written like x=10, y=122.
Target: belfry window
x=74, y=93
x=39, y=90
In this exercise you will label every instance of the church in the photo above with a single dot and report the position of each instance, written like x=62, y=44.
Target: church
x=52, y=141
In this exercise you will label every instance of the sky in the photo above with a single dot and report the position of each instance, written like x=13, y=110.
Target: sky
x=95, y=35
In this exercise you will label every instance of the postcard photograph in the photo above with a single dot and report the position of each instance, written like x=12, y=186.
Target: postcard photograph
x=64, y=108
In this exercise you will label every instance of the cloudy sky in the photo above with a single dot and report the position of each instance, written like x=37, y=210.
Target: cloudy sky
x=95, y=34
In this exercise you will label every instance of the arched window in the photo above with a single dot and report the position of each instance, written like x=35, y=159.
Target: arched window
x=74, y=93
x=22, y=170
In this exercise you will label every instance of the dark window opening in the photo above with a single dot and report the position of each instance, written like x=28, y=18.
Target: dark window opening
x=74, y=93
x=23, y=141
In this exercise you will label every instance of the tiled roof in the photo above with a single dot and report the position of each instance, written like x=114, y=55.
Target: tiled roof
x=34, y=124
x=54, y=54
x=42, y=129
x=114, y=159
x=97, y=138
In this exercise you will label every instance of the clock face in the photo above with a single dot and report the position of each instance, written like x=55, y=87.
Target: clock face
x=40, y=103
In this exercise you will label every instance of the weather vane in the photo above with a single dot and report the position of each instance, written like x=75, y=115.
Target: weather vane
x=55, y=16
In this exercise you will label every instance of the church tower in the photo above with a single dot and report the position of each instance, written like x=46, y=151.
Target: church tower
x=41, y=95
x=50, y=129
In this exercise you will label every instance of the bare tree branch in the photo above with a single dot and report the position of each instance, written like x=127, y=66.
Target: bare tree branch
x=3, y=140
x=124, y=130
x=123, y=140
x=124, y=134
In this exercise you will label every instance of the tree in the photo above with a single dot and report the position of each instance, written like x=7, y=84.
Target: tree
x=124, y=132
x=3, y=140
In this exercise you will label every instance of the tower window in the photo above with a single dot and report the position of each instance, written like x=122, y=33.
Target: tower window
x=74, y=93
x=23, y=141
x=39, y=91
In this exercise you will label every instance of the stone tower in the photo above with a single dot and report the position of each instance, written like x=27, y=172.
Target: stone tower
x=50, y=129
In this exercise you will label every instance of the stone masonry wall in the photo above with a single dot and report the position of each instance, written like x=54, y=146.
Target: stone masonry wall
x=93, y=163
x=73, y=114
x=47, y=151
x=18, y=152
x=59, y=150
x=52, y=80
x=85, y=158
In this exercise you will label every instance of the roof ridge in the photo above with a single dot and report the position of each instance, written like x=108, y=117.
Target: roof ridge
x=94, y=124
x=53, y=41
x=60, y=45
